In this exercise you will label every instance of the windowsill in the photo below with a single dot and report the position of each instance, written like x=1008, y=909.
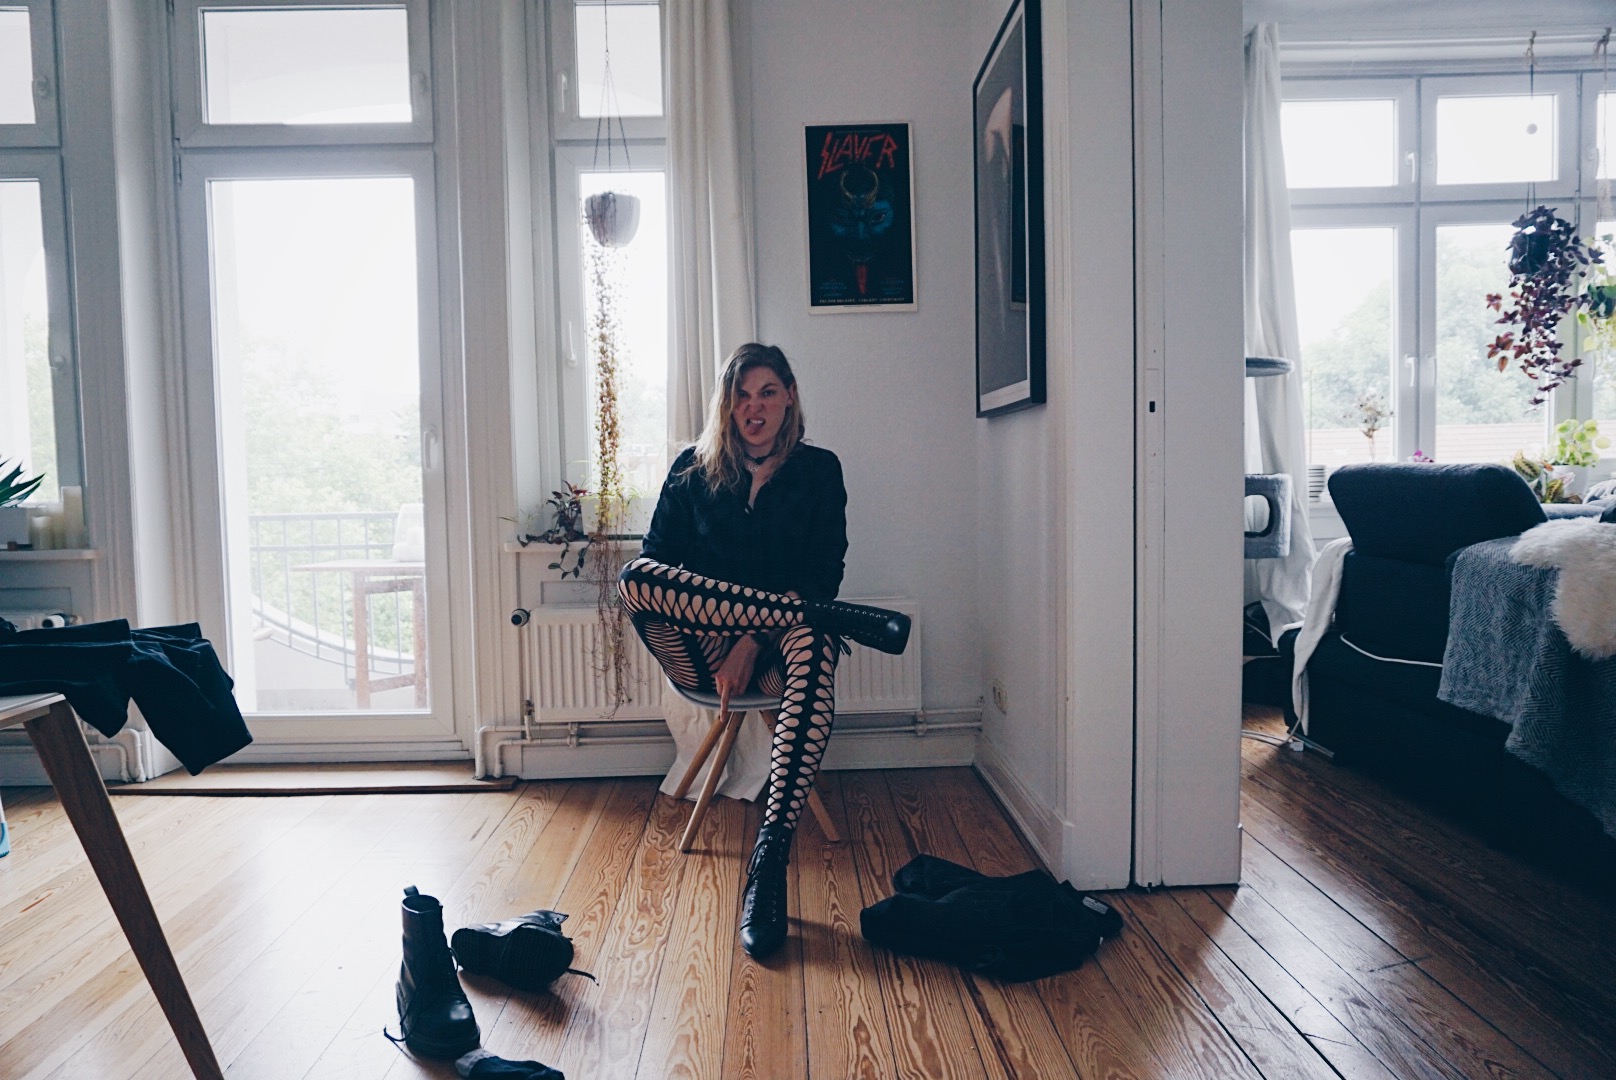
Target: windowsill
x=49, y=555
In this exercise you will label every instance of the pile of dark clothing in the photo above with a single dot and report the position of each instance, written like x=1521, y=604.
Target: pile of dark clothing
x=171, y=672
x=1014, y=928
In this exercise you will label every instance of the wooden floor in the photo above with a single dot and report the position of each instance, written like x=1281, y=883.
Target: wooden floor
x=1368, y=940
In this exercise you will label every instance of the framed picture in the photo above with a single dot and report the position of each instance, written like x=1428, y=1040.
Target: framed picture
x=1009, y=159
x=861, y=218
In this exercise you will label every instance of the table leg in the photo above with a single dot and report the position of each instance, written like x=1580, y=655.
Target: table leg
x=361, y=634
x=72, y=770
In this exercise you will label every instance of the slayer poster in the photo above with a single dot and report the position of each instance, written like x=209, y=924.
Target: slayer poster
x=861, y=230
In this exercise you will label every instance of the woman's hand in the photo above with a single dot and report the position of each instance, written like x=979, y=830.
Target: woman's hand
x=734, y=675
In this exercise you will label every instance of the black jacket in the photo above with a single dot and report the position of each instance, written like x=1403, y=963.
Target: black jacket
x=793, y=538
x=171, y=672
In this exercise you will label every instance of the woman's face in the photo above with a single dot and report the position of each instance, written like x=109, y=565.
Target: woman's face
x=761, y=401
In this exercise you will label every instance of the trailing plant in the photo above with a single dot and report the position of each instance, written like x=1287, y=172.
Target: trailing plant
x=1548, y=265
x=14, y=488
x=1577, y=442
x=611, y=662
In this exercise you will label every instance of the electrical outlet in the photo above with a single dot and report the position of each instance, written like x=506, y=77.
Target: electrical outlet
x=1001, y=699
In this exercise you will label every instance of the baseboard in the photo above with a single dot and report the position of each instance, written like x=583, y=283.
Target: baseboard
x=1039, y=824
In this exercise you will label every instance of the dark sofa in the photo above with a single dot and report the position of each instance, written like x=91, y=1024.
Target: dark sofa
x=1380, y=712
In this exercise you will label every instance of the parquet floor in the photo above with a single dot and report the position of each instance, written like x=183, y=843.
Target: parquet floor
x=1370, y=939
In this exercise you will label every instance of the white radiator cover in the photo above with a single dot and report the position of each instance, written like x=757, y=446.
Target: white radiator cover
x=560, y=679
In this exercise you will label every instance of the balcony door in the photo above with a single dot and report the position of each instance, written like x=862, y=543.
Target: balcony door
x=313, y=379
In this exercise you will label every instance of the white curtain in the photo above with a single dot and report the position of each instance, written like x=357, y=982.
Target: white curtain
x=714, y=305
x=1276, y=418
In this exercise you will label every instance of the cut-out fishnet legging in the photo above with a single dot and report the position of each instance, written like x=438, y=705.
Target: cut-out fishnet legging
x=690, y=622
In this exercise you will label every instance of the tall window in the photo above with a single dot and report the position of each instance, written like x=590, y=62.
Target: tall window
x=39, y=392
x=1403, y=190
x=609, y=135
x=307, y=210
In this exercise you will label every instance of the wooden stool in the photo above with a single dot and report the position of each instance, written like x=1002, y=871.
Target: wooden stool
x=728, y=724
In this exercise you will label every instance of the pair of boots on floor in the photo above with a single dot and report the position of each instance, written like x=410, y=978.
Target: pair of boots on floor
x=434, y=1016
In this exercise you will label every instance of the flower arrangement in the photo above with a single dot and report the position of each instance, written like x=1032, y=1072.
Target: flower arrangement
x=1370, y=413
x=1549, y=267
x=1577, y=442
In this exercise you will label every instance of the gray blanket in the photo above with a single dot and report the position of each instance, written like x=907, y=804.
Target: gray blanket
x=1506, y=658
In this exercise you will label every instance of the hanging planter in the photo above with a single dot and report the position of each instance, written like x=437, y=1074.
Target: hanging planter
x=613, y=217
x=1549, y=264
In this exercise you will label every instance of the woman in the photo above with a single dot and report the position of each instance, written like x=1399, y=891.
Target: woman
x=735, y=590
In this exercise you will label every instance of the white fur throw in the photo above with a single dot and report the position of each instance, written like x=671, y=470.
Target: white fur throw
x=1584, y=551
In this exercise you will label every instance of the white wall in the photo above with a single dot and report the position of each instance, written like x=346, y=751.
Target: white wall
x=892, y=394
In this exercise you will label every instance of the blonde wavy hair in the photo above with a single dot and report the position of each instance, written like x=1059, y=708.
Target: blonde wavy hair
x=719, y=447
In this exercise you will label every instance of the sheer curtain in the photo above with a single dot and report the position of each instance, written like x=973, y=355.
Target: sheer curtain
x=1276, y=418
x=714, y=305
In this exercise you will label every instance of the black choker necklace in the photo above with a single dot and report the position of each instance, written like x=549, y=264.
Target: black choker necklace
x=757, y=460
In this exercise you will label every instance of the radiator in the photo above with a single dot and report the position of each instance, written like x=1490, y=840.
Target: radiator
x=559, y=677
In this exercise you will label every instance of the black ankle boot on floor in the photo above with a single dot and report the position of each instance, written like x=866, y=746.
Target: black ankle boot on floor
x=434, y=1016
x=763, y=908
x=528, y=952
x=876, y=628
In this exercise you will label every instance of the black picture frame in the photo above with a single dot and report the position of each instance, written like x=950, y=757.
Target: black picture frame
x=861, y=228
x=1007, y=133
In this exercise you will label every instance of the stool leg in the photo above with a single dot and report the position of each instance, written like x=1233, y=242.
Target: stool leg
x=707, y=743
x=732, y=727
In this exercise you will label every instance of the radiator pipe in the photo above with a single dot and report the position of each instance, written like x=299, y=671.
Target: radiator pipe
x=568, y=736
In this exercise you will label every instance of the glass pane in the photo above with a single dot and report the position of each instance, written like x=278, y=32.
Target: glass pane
x=641, y=270
x=1481, y=413
x=27, y=404
x=1604, y=364
x=317, y=350
x=1605, y=136
x=1345, y=316
x=308, y=66
x=1340, y=143
x=16, y=68
x=1496, y=139
x=634, y=33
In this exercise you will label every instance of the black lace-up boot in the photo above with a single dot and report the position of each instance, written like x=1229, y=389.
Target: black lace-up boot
x=874, y=627
x=434, y=1016
x=763, y=909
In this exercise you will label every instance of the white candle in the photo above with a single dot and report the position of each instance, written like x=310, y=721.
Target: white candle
x=58, y=528
x=73, y=531
x=39, y=531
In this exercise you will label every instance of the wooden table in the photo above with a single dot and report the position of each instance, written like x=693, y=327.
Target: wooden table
x=371, y=577
x=60, y=741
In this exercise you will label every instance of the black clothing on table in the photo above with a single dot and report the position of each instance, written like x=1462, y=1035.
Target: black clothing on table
x=793, y=538
x=171, y=672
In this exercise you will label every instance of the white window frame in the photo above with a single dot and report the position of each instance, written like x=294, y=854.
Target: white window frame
x=1567, y=123
x=46, y=170
x=46, y=128
x=571, y=162
x=192, y=130
x=1418, y=205
x=1404, y=360
x=203, y=393
x=1432, y=217
x=1406, y=156
x=566, y=122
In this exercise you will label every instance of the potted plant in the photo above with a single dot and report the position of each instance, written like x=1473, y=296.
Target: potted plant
x=1549, y=268
x=1575, y=451
x=14, y=488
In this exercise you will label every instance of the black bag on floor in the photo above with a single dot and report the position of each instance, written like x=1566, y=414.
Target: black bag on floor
x=1012, y=928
